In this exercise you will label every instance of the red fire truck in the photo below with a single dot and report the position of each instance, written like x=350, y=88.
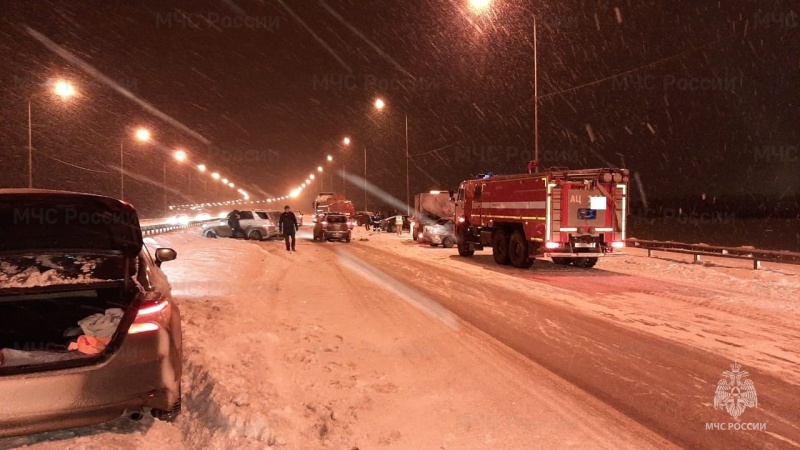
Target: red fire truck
x=572, y=216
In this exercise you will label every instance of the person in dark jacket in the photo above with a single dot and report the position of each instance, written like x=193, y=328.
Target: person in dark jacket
x=287, y=225
x=233, y=222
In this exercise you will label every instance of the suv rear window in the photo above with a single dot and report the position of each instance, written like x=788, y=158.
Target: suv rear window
x=245, y=215
x=262, y=215
x=336, y=219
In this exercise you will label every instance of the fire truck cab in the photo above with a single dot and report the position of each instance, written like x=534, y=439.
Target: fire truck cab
x=572, y=216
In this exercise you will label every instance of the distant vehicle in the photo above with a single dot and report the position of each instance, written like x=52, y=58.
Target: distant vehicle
x=362, y=217
x=181, y=219
x=85, y=264
x=331, y=202
x=389, y=224
x=442, y=232
x=257, y=225
x=332, y=226
x=571, y=216
x=430, y=207
x=299, y=216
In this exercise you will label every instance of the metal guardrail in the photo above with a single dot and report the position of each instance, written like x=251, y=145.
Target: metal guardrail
x=150, y=230
x=700, y=250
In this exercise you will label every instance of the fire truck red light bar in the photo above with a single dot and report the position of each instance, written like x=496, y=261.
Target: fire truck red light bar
x=552, y=245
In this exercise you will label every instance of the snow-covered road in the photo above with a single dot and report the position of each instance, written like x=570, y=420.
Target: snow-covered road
x=386, y=343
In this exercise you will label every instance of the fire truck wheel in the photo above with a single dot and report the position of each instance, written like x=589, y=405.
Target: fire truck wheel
x=500, y=248
x=448, y=242
x=518, y=251
x=463, y=246
x=586, y=263
x=562, y=261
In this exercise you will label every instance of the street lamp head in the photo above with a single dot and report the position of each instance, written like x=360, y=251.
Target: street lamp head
x=201, y=167
x=346, y=140
x=479, y=5
x=142, y=134
x=330, y=158
x=308, y=181
x=319, y=168
x=379, y=103
x=64, y=89
x=215, y=176
x=311, y=176
x=231, y=185
x=179, y=155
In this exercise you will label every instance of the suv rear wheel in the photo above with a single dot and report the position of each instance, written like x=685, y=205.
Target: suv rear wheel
x=255, y=235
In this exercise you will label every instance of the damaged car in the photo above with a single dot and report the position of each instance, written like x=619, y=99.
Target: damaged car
x=89, y=331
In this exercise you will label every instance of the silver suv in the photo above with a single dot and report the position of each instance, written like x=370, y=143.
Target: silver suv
x=332, y=226
x=257, y=225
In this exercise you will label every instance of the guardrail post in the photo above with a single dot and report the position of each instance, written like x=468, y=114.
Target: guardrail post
x=696, y=258
x=649, y=252
x=756, y=264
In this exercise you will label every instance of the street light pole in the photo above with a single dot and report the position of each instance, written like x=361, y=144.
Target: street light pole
x=365, y=179
x=408, y=196
x=165, y=185
x=30, y=146
x=121, y=172
x=535, y=100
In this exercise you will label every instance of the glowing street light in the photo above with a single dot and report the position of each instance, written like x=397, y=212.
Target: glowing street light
x=224, y=181
x=215, y=176
x=479, y=5
x=319, y=168
x=201, y=167
x=330, y=158
x=346, y=140
x=64, y=89
x=179, y=155
x=142, y=135
x=308, y=181
x=231, y=185
x=379, y=103
x=311, y=176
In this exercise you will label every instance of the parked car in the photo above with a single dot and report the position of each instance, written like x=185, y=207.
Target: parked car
x=389, y=224
x=442, y=232
x=88, y=328
x=332, y=226
x=257, y=225
x=298, y=215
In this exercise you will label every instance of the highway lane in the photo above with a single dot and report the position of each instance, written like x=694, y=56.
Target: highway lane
x=664, y=384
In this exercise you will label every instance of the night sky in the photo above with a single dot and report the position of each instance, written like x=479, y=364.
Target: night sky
x=697, y=97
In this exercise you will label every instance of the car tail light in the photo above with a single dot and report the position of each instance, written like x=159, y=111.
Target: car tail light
x=149, y=314
x=617, y=244
x=552, y=245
